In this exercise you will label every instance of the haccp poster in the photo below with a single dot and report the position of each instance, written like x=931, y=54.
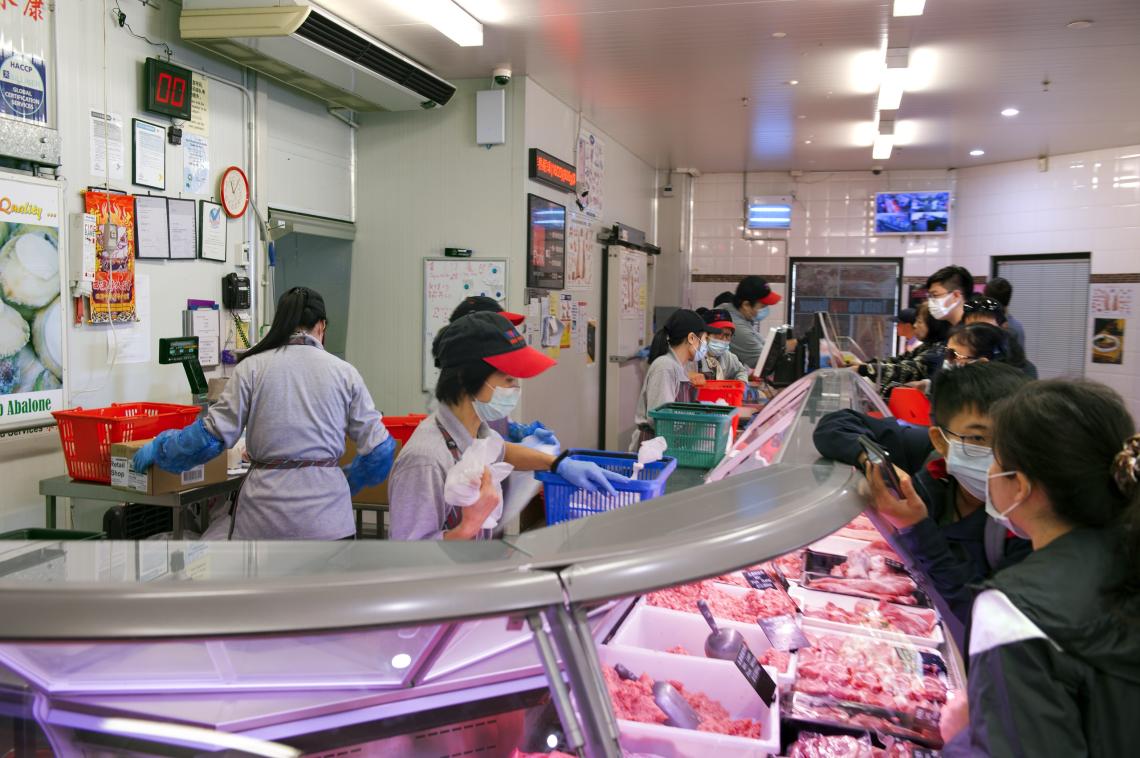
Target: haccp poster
x=31, y=316
x=113, y=292
x=25, y=42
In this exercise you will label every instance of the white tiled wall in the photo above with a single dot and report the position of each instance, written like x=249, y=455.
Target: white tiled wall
x=1085, y=202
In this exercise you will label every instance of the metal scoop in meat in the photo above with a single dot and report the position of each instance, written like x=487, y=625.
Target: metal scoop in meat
x=673, y=704
x=724, y=644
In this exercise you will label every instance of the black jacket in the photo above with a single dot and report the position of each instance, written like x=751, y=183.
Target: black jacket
x=951, y=552
x=1052, y=671
x=921, y=363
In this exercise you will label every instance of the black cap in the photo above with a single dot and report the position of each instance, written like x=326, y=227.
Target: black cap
x=684, y=322
x=479, y=303
x=488, y=337
x=907, y=316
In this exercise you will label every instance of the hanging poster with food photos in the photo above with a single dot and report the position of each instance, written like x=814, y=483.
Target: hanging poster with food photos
x=113, y=293
x=31, y=315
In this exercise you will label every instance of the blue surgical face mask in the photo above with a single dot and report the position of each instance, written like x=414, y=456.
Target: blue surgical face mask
x=717, y=348
x=1003, y=517
x=702, y=351
x=502, y=403
x=761, y=314
x=969, y=465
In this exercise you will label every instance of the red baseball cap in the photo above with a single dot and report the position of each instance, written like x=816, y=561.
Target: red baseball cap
x=479, y=303
x=719, y=318
x=755, y=288
x=489, y=337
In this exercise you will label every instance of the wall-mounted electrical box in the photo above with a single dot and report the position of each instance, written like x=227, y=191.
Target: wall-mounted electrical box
x=491, y=117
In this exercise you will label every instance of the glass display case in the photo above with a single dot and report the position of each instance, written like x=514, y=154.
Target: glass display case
x=484, y=649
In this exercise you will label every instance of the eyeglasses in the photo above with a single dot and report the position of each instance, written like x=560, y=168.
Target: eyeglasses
x=974, y=445
x=954, y=356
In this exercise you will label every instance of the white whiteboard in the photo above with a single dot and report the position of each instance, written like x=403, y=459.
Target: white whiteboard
x=446, y=282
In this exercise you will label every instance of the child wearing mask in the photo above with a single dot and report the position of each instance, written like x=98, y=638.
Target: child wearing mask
x=942, y=521
x=677, y=346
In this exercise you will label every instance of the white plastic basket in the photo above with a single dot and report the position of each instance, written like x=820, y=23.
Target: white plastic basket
x=719, y=680
x=662, y=629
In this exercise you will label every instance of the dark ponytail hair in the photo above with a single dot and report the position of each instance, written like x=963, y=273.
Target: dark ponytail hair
x=299, y=308
x=991, y=342
x=680, y=324
x=1072, y=439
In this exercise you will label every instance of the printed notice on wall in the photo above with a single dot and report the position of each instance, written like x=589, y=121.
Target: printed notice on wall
x=591, y=168
x=131, y=343
x=199, y=122
x=195, y=164
x=579, y=252
x=106, y=145
x=1112, y=300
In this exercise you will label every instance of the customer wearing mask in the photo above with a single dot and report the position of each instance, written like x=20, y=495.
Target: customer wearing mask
x=481, y=358
x=749, y=307
x=677, y=347
x=720, y=363
x=972, y=343
x=1001, y=290
x=947, y=291
x=942, y=522
x=1055, y=640
x=920, y=363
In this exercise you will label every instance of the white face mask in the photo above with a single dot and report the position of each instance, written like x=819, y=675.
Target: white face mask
x=969, y=465
x=998, y=516
x=503, y=401
x=940, y=307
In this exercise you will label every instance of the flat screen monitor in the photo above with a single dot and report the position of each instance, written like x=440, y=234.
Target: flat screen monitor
x=912, y=213
x=773, y=348
x=546, y=244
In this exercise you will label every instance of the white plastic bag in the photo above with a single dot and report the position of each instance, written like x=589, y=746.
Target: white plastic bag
x=461, y=488
x=650, y=451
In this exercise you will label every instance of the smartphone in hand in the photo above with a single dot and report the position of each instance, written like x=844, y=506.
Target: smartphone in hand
x=882, y=461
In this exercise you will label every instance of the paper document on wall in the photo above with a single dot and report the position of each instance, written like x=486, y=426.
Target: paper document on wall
x=207, y=328
x=195, y=164
x=131, y=342
x=106, y=133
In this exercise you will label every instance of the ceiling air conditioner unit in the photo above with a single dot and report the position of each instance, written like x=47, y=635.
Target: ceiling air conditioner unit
x=312, y=50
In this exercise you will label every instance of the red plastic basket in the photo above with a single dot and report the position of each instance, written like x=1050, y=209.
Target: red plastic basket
x=910, y=405
x=87, y=434
x=401, y=427
x=730, y=391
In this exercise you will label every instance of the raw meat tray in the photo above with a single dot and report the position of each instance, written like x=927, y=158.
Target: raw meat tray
x=818, y=566
x=808, y=598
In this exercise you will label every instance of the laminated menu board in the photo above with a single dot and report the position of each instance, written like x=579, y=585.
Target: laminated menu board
x=113, y=293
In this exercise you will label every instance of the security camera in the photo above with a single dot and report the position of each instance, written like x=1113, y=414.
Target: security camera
x=877, y=170
x=502, y=76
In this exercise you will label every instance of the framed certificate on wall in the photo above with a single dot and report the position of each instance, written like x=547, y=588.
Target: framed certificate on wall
x=212, y=222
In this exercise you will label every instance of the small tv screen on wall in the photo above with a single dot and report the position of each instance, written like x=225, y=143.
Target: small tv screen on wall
x=912, y=213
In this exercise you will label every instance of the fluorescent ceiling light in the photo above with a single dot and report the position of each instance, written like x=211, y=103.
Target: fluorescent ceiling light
x=1010, y=112
x=976, y=152
x=891, y=89
x=909, y=7
x=881, y=150
x=448, y=18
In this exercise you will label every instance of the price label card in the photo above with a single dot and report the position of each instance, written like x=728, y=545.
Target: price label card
x=756, y=675
x=784, y=632
x=759, y=580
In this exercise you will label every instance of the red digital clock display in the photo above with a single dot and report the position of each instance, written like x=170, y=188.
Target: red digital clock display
x=168, y=89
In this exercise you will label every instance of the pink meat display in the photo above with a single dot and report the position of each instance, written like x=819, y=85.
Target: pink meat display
x=866, y=573
x=918, y=622
x=780, y=660
x=746, y=608
x=678, y=650
x=633, y=701
x=812, y=745
x=867, y=671
x=790, y=565
x=860, y=528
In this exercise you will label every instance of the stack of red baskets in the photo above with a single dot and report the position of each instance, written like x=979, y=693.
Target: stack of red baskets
x=730, y=391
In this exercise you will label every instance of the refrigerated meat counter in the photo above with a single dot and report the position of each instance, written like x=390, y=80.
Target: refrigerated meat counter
x=557, y=640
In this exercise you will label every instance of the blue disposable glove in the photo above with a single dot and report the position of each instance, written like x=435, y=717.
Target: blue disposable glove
x=369, y=470
x=543, y=436
x=178, y=450
x=589, y=476
x=643, y=353
x=517, y=432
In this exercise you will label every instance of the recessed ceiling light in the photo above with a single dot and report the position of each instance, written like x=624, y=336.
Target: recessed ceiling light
x=1081, y=23
x=779, y=35
x=976, y=152
x=909, y=7
x=792, y=82
x=1010, y=112
x=807, y=142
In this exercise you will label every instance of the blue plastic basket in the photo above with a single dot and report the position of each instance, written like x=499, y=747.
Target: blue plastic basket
x=565, y=502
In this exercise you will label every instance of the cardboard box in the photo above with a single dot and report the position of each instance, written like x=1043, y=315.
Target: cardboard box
x=377, y=495
x=156, y=481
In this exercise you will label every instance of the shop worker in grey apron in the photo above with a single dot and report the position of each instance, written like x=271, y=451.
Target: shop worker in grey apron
x=295, y=403
x=677, y=348
x=481, y=357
